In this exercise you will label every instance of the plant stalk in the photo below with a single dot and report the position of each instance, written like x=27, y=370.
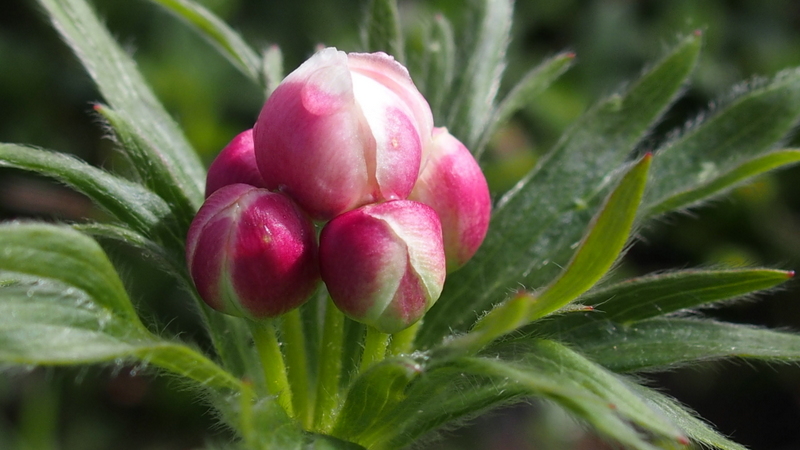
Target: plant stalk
x=403, y=341
x=269, y=351
x=294, y=348
x=374, y=348
x=330, y=368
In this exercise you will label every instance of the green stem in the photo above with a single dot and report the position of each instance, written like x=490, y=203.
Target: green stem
x=374, y=348
x=330, y=368
x=269, y=351
x=246, y=398
x=403, y=341
x=294, y=347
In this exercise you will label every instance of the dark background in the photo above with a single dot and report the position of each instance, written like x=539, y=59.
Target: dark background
x=46, y=97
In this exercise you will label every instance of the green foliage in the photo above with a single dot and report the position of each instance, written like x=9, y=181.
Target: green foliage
x=557, y=234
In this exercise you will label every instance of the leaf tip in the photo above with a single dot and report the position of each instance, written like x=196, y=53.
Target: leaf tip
x=790, y=274
x=698, y=32
x=684, y=441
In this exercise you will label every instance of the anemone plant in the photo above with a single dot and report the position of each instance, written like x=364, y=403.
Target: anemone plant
x=533, y=314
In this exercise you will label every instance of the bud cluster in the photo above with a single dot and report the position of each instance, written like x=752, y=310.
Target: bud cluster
x=348, y=141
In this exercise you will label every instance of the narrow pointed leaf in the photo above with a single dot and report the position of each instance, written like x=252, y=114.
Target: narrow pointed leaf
x=601, y=247
x=47, y=323
x=479, y=81
x=467, y=386
x=123, y=87
x=378, y=389
x=717, y=153
x=535, y=226
x=131, y=204
x=724, y=182
x=63, y=254
x=662, y=343
x=381, y=29
x=656, y=295
x=154, y=171
x=438, y=68
x=695, y=428
x=532, y=83
x=272, y=61
x=218, y=33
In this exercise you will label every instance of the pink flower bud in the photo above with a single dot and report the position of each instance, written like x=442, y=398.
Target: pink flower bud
x=252, y=253
x=342, y=131
x=236, y=163
x=454, y=186
x=384, y=263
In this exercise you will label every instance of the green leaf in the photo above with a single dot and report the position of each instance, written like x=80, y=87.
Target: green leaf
x=722, y=150
x=381, y=30
x=380, y=388
x=272, y=67
x=63, y=254
x=657, y=344
x=467, y=386
x=437, y=73
x=63, y=303
x=130, y=203
x=154, y=171
x=601, y=247
x=218, y=33
x=123, y=87
x=696, y=429
x=479, y=80
x=656, y=295
x=721, y=183
x=535, y=226
x=532, y=83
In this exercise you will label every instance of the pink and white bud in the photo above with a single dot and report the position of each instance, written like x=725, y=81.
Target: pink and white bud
x=342, y=131
x=236, y=163
x=453, y=185
x=384, y=263
x=252, y=253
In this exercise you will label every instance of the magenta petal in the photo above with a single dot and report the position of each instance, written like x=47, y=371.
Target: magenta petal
x=236, y=163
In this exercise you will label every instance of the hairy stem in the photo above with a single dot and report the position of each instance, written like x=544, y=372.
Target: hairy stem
x=374, y=348
x=269, y=351
x=294, y=347
x=330, y=368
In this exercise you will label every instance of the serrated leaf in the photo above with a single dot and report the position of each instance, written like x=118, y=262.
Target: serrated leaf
x=721, y=183
x=123, y=87
x=657, y=344
x=601, y=247
x=218, y=33
x=131, y=204
x=154, y=171
x=535, y=225
x=378, y=389
x=695, y=428
x=381, y=30
x=478, y=81
x=532, y=83
x=717, y=153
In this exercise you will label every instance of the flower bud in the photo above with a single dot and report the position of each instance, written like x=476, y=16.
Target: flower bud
x=252, y=253
x=384, y=263
x=454, y=186
x=236, y=163
x=342, y=131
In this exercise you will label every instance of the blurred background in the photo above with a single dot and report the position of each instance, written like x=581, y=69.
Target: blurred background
x=46, y=99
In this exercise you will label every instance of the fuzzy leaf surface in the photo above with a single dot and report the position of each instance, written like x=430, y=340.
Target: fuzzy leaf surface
x=716, y=154
x=478, y=82
x=219, y=34
x=61, y=302
x=381, y=30
x=656, y=295
x=695, y=428
x=532, y=83
x=123, y=87
x=535, y=226
x=130, y=203
x=658, y=344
